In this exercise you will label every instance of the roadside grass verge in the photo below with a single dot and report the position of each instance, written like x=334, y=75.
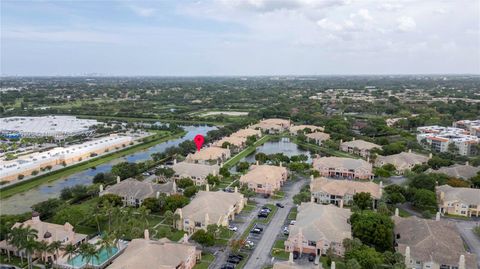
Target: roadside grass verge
x=205, y=261
x=278, y=250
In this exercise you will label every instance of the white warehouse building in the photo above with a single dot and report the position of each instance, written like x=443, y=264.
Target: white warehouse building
x=58, y=127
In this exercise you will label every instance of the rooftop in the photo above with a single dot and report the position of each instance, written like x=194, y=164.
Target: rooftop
x=467, y=196
x=262, y=174
x=360, y=144
x=139, y=189
x=209, y=153
x=185, y=169
x=402, y=160
x=47, y=125
x=342, y=187
x=339, y=162
x=458, y=171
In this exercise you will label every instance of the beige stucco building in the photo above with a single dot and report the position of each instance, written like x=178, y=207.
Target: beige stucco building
x=348, y=168
x=209, y=208
x=341, y=192
x=144, y=253
x=272, y=125
x=317, y=137
x=359, y=147
x=403, y=161
x=198, y=172
x=295, y=128
x=318, y=228
x=209, y=155
x=431, y=244
x=49, y=233
x=458, y=201
x=265, y=179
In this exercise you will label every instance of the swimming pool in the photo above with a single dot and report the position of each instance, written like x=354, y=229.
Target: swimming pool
x=103, y=256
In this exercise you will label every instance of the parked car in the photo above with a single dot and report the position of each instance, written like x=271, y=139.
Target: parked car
x=258, y=227
x=266, y=196
x=286, y=231
x=279, y=205
x=256, y=231
x=238, y=256
x=263, y=215
x=311, y=257
x=233, y=260
x=292, y=222
x=296, y=255
x=232, y=228
x=228, y=266
x=266, y=207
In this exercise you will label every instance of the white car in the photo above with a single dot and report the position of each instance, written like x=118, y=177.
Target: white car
x=232, y=228
x=292, y=222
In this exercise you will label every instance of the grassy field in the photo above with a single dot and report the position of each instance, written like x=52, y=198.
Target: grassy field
x=55, y=175
x=134, y=119
x=292, y=214
x=205, y=262
x=278, y=250
x=244, y=153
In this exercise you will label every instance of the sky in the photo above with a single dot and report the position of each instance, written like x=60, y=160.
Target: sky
x=239, y=37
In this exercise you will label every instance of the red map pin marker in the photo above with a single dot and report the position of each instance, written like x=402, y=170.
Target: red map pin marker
x=199, y=139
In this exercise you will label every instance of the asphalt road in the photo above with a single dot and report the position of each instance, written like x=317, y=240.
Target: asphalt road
x=466, y=231
x=261, y=253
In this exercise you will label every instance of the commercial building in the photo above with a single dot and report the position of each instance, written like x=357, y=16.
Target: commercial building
x=319, y=228
x=265, y=179
x=209, y=208
x=47, y=232
x=134, y=192
x=144, y=253
x=317, y=137
x=58, y=127
x=341, y=192
x=458, y=201
x=440, y=139
x=346, y=168
x=25, y=165
x=195, y=171
x=434, y=244
x=402, y=161
x=209, y=155
x=359, y=147
x=465, y=171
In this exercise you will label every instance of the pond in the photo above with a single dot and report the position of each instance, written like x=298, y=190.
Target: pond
x=22, y=202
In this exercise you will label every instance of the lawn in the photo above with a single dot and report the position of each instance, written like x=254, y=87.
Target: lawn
x=244, y=153
x=278, y=195
x=338, y=264
x=292, y=214
x=278, y=250
x=205, y=262
x=13, y=260
x=64, y=172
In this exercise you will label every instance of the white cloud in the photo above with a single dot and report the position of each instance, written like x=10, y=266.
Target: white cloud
x=406, y=24
x=142, y=11
x=328, y=25
x=365, y=14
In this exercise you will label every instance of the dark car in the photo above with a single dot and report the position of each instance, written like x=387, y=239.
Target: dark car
x=233, y=260
x=258, y=227
x=295, y=255
x=228, y=266
x=311, y=257
x=7, y=267
x=256, y=231
x=280, y=205
x=263, y=215
x=236, y=256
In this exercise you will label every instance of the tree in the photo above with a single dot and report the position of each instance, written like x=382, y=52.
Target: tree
x=456, y=182
x=425, y=199
x=363, y=200
x=353, y=264
x=203, y=238
x=261, y=157
x=48, y=208
x=166, y=172
x=190, y=191
x=54, y=247
x=184, y=182
x=107, y=241
x=113, y=199
x=30, y=246
x=125, y=170
x=175, y=201
x=224, y=172
x=213, y=180
x=366, y=256
x=72, y=214
x=373, y=229
x=103, y=178
x=69, y=250
x=89, y=252
x=242, y=166
x=436, y=162
x=251, y=140
x=152, y=204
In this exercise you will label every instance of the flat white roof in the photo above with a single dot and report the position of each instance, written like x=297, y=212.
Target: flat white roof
x=46, y=125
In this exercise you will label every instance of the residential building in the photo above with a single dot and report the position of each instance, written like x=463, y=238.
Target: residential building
x=134, y=192
x=236, y=141
x=465, y=171
x=209, y=208
x=144, y=253
x=341, y=192
x=47, y=232
x=319, y=228
x=359, y=147
x=247, y=132
x=347, y=168
x=458, y=201
x=26, y=164
x=472, y=126
x=431, y=244
x=272, y=125
x=58, y=127
x=209, y=155
x=265, y=179
x=441, y=139
x=196, y=171
x=312, y=128
x=317, y=137
x=402, y=161
x=290, y=264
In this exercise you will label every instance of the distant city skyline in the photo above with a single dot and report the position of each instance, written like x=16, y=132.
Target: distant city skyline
x=240, y=37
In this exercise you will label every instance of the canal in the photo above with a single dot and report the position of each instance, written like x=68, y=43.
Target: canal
x=22, y=202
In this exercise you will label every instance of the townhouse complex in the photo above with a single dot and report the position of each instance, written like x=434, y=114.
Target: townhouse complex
x=458, y=201
x=359, y=147
x=402, y=161
x=265, y=179
x=345, y=168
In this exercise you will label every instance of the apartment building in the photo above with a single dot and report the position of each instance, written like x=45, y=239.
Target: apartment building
x=358, y=147
x=345, y=168
x=440, y=139
x=458, y=201
x=265, y=179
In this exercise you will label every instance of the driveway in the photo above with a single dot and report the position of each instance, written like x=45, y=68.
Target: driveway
x=466, y=231
x=261, y=254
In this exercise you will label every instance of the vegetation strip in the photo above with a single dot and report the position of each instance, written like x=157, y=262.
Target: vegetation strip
x=55, y=175
x=233, y=161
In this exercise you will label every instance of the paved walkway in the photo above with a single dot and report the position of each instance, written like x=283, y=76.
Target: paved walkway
x=261, y=254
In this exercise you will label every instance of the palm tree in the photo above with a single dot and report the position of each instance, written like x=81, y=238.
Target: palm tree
x=69, y=250
x=21, y=237
x=144, y=212
x=88, y=252
x=107, y=241
x=15, y=238
x=42, y=248
x=30, y=246
x=54, y=247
